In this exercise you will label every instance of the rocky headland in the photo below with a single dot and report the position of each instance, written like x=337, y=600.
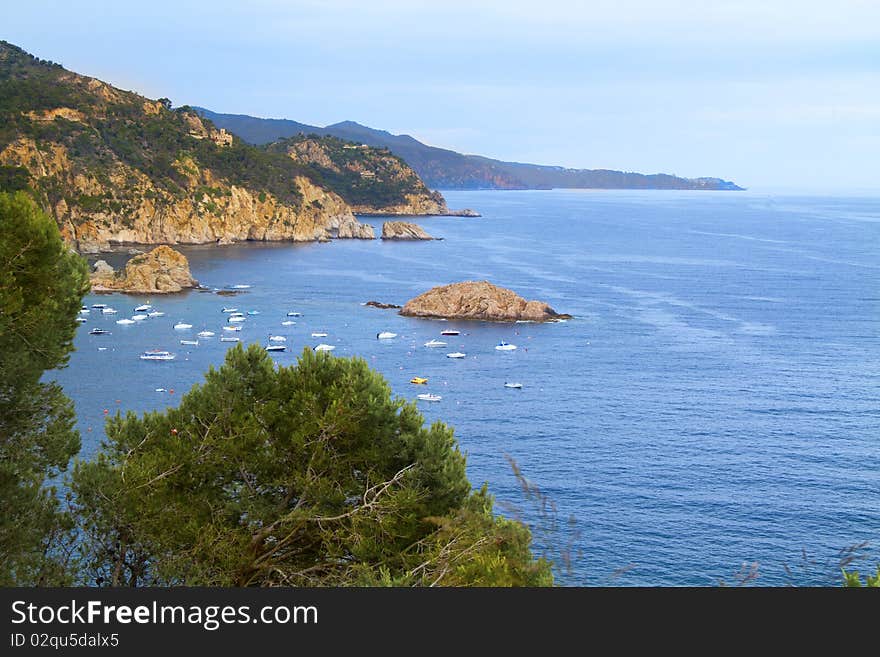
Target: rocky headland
x=479, y=300
x=161, y=271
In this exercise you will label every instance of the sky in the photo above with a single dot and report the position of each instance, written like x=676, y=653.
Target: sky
x=772, y=94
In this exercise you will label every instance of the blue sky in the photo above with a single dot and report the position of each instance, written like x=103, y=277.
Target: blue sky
x=770, y=94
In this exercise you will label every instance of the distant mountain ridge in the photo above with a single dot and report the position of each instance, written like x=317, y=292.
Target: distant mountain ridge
x=446, y=169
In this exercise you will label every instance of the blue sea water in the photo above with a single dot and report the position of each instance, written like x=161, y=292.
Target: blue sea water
x=714, y=403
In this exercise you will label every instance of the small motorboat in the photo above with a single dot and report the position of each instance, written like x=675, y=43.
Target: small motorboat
x=236, y=318
x=450, y=332
x=513, y=385
x=288, y=322
x=161, y=390
x=277, y=338
x=138, y=318
x=435, y=343
x=275, y=347
x=182, y=326
x=194, y=343
x=84, y=310
x=418, y=380
x=232, y=339
x=456, y=354
x=253, y=312
x=156, y=313
x=156, y=354
x=385, y=335
x=229, y=310
x=125, y=321
x=102, y=348
x=505, y=346
x=294, y=314
x=109, y=311
x=325, y=347
x=231, y=328
x=81, y=319
x=99, y=305
x=99, y=331
x=240, y=287
x=319, y=335
x=429, y=397
x=142, y=309
x=206, y=334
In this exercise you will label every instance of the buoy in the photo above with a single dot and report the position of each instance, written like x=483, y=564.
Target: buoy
x=171, y=392
x=106, y=411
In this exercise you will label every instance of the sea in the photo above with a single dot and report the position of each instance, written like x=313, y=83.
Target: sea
x=710, y=415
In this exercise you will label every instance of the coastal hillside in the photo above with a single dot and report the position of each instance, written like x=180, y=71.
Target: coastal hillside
x=114, y=167
x=371, y=180
x=446, y=169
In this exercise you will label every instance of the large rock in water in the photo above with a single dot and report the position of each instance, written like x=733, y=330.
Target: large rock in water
x=402, y=230
x=351, y=228
x=478, y=300
x=161, y=271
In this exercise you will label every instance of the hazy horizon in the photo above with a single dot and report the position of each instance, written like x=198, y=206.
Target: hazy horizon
x=770, y=95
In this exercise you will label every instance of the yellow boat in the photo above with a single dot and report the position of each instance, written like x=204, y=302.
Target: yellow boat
x=418, y=380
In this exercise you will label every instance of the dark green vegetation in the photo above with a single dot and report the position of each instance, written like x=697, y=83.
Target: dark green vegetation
x=303, y=475
x=41, y=287
x=108, y=127
x=445, y=169
x=362, y=176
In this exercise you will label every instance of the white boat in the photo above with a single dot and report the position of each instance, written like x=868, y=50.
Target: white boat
x=231, y=328
x=161, y=390
x=513, y=385
x=99, y=305
x=155, y=354
x=109, y=311
x=385, y=335
x=450, y=332
x=429, y=397
x=325, y=347
x=275, y=347
x=294, y=314
x=156, y=313
x=138, y=318
x=206, y=334
x=81, y=319
x=99, y=331
x=236, y=318
x=229, y=310
x=232, y=339
x=288, y=323
x=84, y=310
x=102, y=348
x=125, y=321
x=194, y=343
x=241, y=287
x=277, y=338
x=181, y=326
x=456, y=354
x=253, y=312
x=142, y=309
x=435, y=343
x=505, y=346
x=319, y=335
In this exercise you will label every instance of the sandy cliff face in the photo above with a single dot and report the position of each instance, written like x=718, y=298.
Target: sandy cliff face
x=127, y=208
x=479, y=300
x=161, y=271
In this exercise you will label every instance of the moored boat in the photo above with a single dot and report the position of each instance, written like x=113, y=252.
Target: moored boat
x=325, y=347
x=99, y=331
x=275, y=347
x=230, y=339
x=505, y=346
x=450, y=332
x=206, y=334
x=386, y=335
x=156, y=354
x=418, y=380
x=456, y=354
x=125, y=321
x=429, y=397
x=182, y=326
x=513, y=385
x=435, y=343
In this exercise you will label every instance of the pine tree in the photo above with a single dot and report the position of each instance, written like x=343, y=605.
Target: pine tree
x=41, y=288
x=304, y=475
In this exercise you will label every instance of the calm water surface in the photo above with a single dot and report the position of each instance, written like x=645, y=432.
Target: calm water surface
x=716, y=400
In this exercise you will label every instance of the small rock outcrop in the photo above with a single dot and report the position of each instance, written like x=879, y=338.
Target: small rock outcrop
x=403, y=230
x=379, y=304
x=351, y=228
x=480, y=300
x=161, y=271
